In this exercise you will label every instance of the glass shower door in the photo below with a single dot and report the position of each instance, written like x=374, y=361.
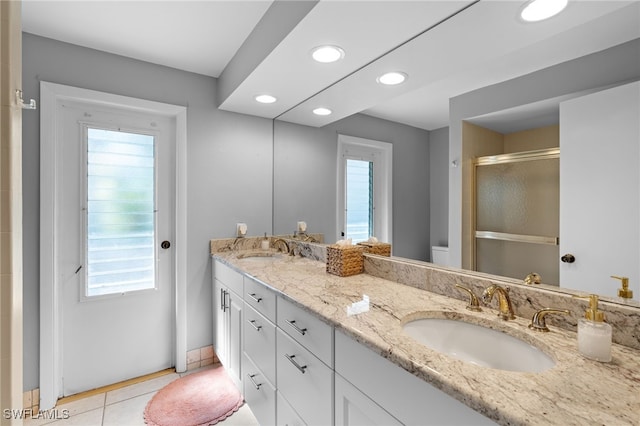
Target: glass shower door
x=517, y=206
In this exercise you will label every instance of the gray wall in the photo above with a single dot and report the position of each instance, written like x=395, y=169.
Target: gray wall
x=612, y=66
x=439, y=186
x=221, y=147
x=305, y=164
x=230, y=171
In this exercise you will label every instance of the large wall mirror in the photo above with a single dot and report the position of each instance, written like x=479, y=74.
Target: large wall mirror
x=305, y=163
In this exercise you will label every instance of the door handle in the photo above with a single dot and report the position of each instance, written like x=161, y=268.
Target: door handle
x=298, y=366
x=568, y=258
x=257, y=385
x=253, y=296
x=253, y=324
x=165, y=244
x=223, y=299
x=292, y=323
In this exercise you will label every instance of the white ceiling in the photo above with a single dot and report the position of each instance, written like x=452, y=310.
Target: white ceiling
x=446, y=47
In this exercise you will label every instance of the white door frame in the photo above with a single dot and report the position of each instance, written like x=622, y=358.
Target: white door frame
x=50, y=324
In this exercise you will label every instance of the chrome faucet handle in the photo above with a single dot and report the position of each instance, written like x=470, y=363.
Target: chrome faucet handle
x=474, y=304
x=538, y=322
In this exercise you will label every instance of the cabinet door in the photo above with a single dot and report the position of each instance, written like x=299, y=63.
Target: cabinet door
x=418, y=402
x=355, y=408
x=220, y=323
x=234, y=368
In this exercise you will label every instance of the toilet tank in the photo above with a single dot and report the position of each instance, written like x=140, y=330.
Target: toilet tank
x=440, y=255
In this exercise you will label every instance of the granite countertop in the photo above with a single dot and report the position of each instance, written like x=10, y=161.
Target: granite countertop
x=576, y=391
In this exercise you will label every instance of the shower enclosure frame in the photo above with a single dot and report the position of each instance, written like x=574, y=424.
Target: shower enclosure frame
x=516, y=157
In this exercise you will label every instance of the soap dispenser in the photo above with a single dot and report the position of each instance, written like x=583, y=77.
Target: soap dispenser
x=264, y=244
x=624, y=292
x=594, y=335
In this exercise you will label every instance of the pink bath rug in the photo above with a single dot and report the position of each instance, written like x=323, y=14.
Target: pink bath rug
x=199, y=399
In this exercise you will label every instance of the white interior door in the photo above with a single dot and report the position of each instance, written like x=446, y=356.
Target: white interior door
x=600, y=190
x=116, y=184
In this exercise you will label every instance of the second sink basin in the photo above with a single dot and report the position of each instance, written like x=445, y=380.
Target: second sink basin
x=259, y=255
x=478, y=345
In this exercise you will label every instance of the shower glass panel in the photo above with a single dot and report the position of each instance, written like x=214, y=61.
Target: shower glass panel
x=517, y=214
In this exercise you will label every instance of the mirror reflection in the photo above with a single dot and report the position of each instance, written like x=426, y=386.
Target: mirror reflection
x=433, y=214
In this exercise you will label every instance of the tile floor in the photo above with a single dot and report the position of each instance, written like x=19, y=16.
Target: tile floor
x=124, y=406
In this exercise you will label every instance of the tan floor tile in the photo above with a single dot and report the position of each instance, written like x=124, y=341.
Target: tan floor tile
x=83, y=405
x=127, y=413
x=138, y=389
x=87, y=418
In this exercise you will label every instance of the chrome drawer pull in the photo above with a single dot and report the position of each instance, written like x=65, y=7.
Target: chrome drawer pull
x=298, y=366
x=253, y=296
x=257, y=385
x=253, y=324
x=302, y=331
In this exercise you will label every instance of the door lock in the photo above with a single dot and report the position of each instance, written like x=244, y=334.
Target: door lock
x=165, y=244
x=568, y=258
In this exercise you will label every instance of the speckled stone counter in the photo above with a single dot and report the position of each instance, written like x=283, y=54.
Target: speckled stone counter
x=576, y=391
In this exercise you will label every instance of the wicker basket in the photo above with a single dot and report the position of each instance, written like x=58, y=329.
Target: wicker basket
x=345, y=260
x=381, y=249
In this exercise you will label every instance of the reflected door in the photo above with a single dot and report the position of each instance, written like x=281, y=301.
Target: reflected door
x=517, y=214
x=600, y=190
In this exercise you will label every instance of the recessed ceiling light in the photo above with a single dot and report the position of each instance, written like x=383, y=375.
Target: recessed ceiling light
x=327, y=54
x=265, y=99
x=538, y=10
x=322, y=111
x=392, y=78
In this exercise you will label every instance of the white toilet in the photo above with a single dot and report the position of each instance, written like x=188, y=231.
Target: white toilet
x=440, y=255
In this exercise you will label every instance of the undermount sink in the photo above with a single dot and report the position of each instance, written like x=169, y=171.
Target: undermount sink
x=259, y=255
x=478, y=345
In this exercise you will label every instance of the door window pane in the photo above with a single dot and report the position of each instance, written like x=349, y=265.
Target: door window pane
x=120, y=218
x=359, y=202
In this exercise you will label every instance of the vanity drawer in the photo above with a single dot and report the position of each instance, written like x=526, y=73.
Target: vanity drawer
x=259, y=393
x=260, y=298
x=306, y=329
x=260, y=341
x=304, y=381
x=380, y=380
x=227, y=276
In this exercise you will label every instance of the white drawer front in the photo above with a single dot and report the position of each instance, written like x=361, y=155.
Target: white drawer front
x=304, y=381
x=260, y=297
x=286, y=416
x=260, y=341
x=308, y=330
x=259, y=394
x=403, y=395
x=229, y=277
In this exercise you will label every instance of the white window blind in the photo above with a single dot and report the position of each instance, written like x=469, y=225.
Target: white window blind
x=359, y=177
x=120, y=212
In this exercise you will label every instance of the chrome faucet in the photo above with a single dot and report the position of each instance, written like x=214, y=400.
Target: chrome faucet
x=506, y=308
